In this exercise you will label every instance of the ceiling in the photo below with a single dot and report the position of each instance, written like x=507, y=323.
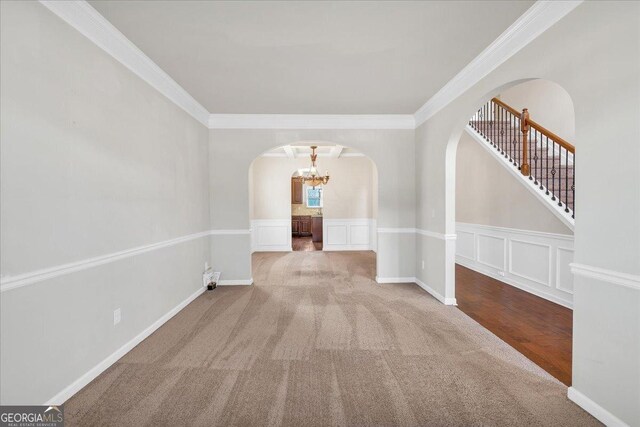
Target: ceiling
x=304, y=151
x=264, y=57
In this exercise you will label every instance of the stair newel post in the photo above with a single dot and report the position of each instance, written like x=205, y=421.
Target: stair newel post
x=524, y=127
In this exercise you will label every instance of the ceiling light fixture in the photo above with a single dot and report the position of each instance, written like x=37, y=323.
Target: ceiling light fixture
x=312, y=177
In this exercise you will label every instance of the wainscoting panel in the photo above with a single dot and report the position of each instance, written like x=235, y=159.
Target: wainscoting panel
x=466, y=245
x=491, y=251
x=349, y=234
x=533, y=261
x=271, y=235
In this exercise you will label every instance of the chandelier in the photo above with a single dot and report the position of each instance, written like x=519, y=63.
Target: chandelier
x=312, y=177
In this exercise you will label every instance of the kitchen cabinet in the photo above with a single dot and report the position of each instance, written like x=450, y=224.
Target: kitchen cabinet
x=301, y=225
x=316, y=229
x=296, y=191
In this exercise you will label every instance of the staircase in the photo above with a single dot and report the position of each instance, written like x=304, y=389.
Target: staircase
x=542, y=157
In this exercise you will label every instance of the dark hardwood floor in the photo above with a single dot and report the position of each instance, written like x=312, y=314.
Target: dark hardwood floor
x=537, y=328
x=305, y=244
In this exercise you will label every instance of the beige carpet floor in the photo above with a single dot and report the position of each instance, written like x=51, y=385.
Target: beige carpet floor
x=316, y=342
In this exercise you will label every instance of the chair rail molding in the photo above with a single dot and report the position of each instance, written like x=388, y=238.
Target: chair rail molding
x=622, y=279
x=13, y=282
x=535, y=21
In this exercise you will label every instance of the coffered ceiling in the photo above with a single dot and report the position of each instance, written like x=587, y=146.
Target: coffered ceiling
x=263, y=57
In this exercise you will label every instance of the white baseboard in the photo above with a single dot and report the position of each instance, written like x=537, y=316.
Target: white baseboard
x=509, y=281
x=275, y=248
x=338, y=248
x=85, y=379
x=231, y=282
x=435, y=294
x=395, y=279
x=430, y=290
x=533, y=261
x=594, y=409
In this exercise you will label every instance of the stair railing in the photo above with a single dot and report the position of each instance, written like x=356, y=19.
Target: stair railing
x=547, y=159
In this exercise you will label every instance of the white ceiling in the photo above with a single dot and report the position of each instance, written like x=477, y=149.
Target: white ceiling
x=304, y=151
x=268, y=57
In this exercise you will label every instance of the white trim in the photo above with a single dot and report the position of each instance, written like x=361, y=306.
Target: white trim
x=90, y=23
x=235, y=282
x=388, y=230
x=534, y=189
x=382, y=280
x=349, y=243
x=535, y=21
x=272, y=243
x=436, y=235
x=14, y=282
x=420, y=283
x=435, y=294
x=85, y=379
x=524, y=276
x=601, y=414
x=542, y=234
x=623, y=279
x=311, y=121
x=227, y=232
x=514, y=283
x=553, y=290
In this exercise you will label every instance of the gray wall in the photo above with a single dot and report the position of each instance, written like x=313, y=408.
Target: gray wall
x=594, y=53
x=232, y=151
x=94, y=162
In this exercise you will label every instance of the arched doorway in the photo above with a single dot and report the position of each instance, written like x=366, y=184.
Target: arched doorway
x=510, y=202
x=343, y=218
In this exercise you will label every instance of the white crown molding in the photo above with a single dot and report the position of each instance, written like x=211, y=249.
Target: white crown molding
x=601, y=414
x=311, y=121
x=90, y=23
x=13, y=282
x=535, y=21
x=610, y=276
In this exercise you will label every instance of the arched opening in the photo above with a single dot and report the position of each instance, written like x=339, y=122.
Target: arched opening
x=287, y=215
x=513, y=224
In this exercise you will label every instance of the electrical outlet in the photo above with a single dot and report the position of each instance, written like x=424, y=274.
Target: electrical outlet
x=423, y=264
x=501, y=273
x=117, y=316
x=433, y=213
x=206, y=265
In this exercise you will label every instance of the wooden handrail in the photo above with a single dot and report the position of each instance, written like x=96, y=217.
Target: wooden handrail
x=507, y=107
x=509, y=131
x=546, y=132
